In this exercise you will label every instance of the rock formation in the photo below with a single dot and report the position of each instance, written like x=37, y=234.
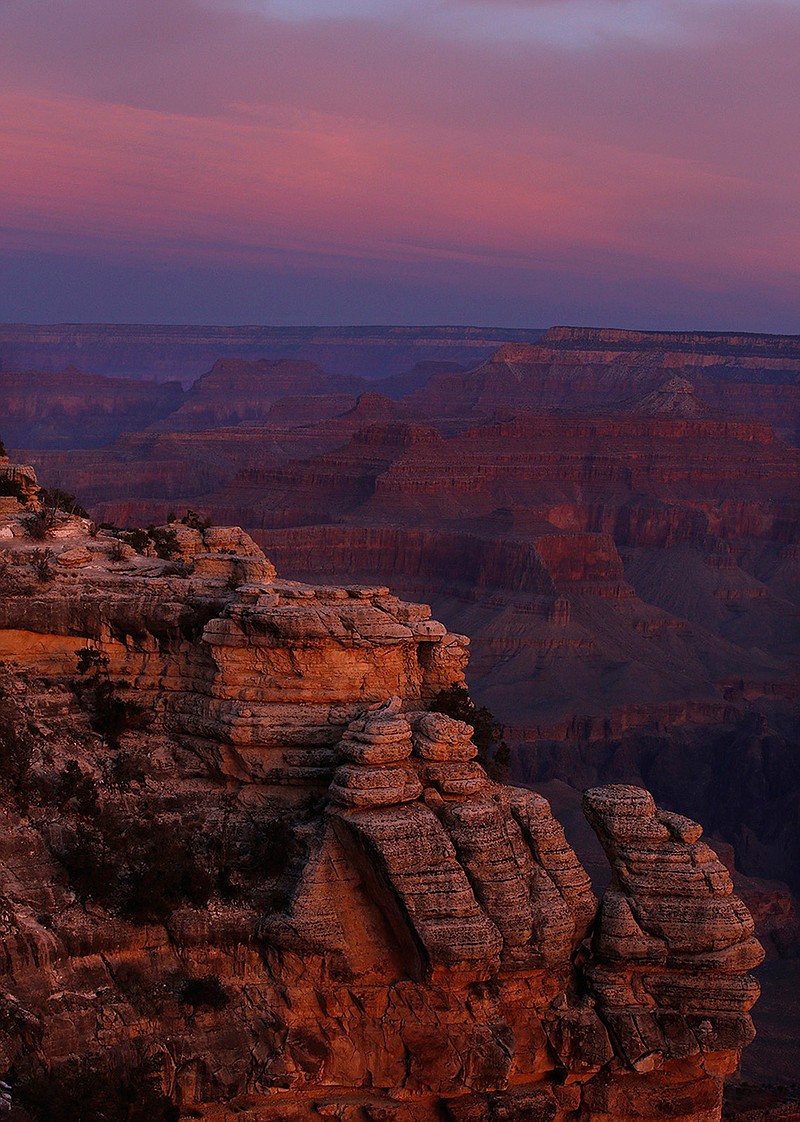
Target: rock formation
x=186, y=351
x=630, y=547
x=68, y=408
x=234, y=391
x=590, y=369
x=625, y=558
x=238, y=843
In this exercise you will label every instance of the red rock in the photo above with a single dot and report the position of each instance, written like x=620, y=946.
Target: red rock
x=409, y=960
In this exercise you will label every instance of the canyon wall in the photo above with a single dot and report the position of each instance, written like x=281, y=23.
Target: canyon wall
x=247, y=863
x=611, y=517
x=185, y=352
x=757, y=376
x=70, y=409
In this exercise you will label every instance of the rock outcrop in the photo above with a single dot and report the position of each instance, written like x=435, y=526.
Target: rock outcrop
x=239, y=846
x=672, y=945
x=630, y=546
x=19, y=490
x=592, y=369
x=67, y=408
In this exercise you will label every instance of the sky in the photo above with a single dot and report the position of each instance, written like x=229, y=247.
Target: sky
x=629, y=163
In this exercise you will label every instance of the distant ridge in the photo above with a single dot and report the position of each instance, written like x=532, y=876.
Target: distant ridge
x=165, y=351
x=716, y=342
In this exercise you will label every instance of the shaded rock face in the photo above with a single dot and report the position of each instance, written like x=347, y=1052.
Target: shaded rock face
x=234, y=391
x=392, y=935
x=70, y=409
x=672, y=943
x=731, y=762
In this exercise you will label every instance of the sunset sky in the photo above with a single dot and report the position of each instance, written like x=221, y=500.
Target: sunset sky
x=513, y=162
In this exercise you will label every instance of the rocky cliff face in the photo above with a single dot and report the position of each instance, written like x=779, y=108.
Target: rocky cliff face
x=590, y=369
x=234, y=391
x=641, y=557
x=744, y=344
x=71, y=409
x=245, y=868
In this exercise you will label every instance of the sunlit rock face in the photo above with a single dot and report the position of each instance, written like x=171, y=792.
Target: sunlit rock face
x=599, y=368
x=238, y=843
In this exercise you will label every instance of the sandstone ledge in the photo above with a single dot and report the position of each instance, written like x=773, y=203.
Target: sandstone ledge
x=429, y=948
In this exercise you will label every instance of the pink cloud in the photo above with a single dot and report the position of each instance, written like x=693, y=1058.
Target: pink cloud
x=189, y=131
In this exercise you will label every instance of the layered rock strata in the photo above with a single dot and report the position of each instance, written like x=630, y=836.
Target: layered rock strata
x=70, y=409
x=672, y=944
x=393, y=936
x=188, y=351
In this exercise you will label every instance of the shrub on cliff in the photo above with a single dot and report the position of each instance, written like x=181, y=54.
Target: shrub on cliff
x=165, y=542
x=203, y=993
x=91, y=661
x=85, y=1091
x=136, y=539
x=258, y=851
x=142, y=868
x=110, y=715
x=113, y=715
x=53, y=498
x=77, y=790
x=12, y=487
x=15, y=754
x=160, y=539
x=487, y=734
x=193, y=520
x=38, y=525
x=41, y=560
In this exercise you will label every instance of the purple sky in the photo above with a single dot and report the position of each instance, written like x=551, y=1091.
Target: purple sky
x=520, y=162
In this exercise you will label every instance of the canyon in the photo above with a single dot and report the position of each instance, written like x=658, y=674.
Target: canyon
x=166, y=352
x=612, y=517
x=250, y=869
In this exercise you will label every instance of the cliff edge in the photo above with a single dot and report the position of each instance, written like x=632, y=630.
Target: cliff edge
x=247, y=870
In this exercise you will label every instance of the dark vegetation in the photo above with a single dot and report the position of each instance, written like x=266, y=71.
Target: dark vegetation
x=109, y=714
x=39, y=525
x=88, y=1091
x=16, y=750
x=76, y=790
x=259, y=850
x=136, y=539
x=162, y=541
x=41, y=560
x=145, y=866
x=204, y=993
x=165, y=542
x=141, y=860
x=487, y=734
x=53, y=499
x=11, y=487
x=194, y=521
x=141, y=868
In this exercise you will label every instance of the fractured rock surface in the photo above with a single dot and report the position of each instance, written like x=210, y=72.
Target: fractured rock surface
x=393, y=936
